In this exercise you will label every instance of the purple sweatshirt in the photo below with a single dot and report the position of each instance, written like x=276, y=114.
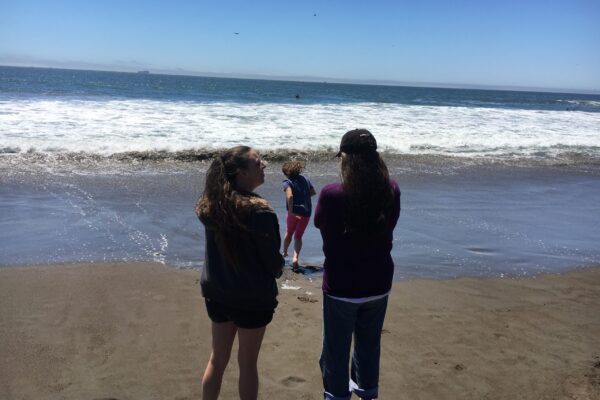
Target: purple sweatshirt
x=354, y=267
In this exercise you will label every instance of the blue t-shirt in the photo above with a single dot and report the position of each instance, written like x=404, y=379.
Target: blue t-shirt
x=301, y=187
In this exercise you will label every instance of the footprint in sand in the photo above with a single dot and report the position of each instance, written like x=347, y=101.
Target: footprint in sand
x=297, y=312
x=292, y=381
x=306, y=299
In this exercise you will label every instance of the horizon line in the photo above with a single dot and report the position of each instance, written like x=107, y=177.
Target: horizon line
x=308, y=79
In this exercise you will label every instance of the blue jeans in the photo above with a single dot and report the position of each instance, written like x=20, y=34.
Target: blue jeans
x=341, y=319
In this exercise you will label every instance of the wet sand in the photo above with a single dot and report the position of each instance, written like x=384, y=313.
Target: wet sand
x=140, y=331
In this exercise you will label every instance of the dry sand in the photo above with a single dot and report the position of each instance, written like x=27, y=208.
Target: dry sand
x=140, y=331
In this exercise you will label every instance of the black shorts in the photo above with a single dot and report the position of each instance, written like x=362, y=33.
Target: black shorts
x=242, y=318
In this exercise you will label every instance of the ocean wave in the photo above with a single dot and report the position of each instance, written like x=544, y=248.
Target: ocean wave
x=10, y=150
x=590, y=103
x=107, y=128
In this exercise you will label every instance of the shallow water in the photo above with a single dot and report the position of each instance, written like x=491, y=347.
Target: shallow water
x=469, y=220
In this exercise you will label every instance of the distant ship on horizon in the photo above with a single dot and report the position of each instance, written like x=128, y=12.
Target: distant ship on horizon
x=144, y=72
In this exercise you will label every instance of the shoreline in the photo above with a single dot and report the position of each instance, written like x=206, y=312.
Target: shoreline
x=310, y=271
x=139, y=330
x=201, y=158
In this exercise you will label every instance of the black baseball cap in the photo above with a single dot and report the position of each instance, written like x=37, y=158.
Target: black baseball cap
x=357, y=141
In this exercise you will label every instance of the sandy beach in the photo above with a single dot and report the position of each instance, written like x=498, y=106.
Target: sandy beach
x=140, y=331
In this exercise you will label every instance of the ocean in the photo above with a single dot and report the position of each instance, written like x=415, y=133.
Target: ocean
x=106, y=166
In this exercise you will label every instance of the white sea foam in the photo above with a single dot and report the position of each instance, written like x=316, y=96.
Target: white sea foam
x=107, y=127
x=287, y=286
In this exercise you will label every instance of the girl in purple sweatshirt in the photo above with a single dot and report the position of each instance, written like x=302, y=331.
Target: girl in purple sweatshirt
x=356, y=218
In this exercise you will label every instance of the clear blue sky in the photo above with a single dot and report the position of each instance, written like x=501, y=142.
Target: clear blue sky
x=547, y=44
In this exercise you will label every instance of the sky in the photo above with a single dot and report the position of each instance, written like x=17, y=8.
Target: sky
x=502, y=43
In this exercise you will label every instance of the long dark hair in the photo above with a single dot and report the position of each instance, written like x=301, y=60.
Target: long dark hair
x=224, y=208
x=368, y=194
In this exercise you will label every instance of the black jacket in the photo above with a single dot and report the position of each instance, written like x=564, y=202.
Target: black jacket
x=252, y=285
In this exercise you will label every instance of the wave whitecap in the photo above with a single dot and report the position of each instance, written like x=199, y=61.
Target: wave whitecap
x=111, y=127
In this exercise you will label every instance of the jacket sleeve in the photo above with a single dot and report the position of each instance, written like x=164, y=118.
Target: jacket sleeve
x=268, y=242
x=396, y=210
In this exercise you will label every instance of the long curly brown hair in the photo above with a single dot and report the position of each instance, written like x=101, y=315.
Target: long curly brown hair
x=224, y=208
x=368, y=194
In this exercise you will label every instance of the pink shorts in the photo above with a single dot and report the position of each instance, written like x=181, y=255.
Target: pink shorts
x=296, y=225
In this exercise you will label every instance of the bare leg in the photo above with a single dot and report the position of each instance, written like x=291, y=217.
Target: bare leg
x=223, y=335
x=286, y=243
x=250, y=341
x=297, y=248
